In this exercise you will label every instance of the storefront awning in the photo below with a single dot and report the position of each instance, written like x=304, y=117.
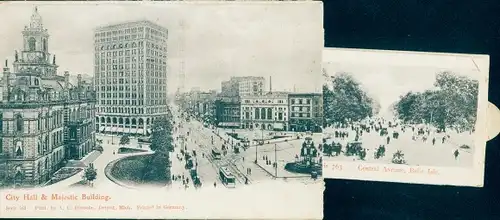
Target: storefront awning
x=107, y=129
x=102, y=128
x=149, y=130
x=140, y=131
x=119, y=130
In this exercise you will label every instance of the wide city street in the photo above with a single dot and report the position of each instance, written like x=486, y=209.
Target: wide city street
x=420, y=151
x=194, y=136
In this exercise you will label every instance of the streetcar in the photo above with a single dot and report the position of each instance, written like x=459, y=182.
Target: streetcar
x=216, y=154
x=227, y=178
x=189, y=163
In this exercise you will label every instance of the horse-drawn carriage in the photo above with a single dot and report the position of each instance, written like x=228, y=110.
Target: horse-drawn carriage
x=354, y=148
x=379, y=152
x=395, y=135
x=332, y=149
x=383, y=131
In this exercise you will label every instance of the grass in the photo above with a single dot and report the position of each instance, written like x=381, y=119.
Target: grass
x=126, y=150
x=64, y=173
x=142, y=170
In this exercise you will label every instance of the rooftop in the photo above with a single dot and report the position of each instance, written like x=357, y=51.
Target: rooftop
x=126, y=24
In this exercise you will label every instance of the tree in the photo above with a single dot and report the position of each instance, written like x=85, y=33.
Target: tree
x=345, y=99
x=161, y=144
x=90, y=173
x=125, y=140
x=452, y=104
x=161, y=135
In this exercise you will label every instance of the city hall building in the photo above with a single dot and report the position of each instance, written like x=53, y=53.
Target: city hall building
x=130, y=76
x=44, y=119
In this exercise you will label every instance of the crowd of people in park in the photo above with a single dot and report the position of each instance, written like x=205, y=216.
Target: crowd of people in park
x=347, y=137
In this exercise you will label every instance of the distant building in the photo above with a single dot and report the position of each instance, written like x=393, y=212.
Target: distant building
x=268, y=111
x=200, y=104
x=228, y=112
x=130, y=76
x=243, y=86
x=44, y=119
x=305, y=111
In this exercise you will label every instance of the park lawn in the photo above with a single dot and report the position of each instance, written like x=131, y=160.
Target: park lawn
x=127, y=150
x=142, y=170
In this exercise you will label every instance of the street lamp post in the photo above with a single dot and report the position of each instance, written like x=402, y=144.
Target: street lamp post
x=276, y=160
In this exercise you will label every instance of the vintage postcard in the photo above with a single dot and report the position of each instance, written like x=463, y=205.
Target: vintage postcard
x=405, y=116
x=161, y=110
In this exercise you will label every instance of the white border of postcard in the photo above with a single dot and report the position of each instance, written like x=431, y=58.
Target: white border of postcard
x=473, y=176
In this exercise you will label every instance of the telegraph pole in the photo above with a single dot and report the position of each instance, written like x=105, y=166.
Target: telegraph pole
x=276, y=160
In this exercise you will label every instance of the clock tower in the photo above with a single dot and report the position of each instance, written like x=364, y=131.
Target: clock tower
x=35, y=57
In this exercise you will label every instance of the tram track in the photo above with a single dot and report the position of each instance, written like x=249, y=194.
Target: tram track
x=225, y=161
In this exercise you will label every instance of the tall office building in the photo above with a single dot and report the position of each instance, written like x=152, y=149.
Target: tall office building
x=243, y=86
x=130, y=76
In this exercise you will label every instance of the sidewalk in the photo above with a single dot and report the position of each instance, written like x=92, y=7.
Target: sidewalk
x=177, y=169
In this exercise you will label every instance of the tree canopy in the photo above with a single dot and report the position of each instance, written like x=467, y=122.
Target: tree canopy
x=161, y=144
x=161, y=135
x=345, y=99
x=90, y=173
x=124, y=140
x=452, y=104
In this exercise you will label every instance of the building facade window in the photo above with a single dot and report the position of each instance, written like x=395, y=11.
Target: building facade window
x=19, y=123
x=31, y=44
x=19, y=149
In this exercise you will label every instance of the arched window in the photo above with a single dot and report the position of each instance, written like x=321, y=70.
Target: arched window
x=19, y=149
x=31, y=44
x=257, y=115
x=36, y=82
x=270, y=114
x=44, y=44
x=263, y=113
x=19, y=123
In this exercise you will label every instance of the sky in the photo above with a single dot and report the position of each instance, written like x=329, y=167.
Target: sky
x=220, y=40
x=387, y=83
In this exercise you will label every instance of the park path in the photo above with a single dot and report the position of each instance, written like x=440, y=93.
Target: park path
x=100, y=164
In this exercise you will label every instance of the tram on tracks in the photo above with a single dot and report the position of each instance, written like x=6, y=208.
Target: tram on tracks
x=227, y=178
x=216, y=154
